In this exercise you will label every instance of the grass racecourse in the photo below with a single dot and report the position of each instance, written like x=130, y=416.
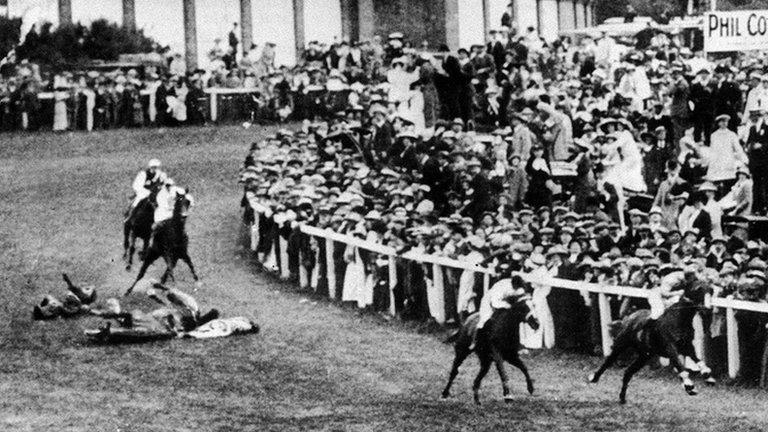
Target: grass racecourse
x=315, y=365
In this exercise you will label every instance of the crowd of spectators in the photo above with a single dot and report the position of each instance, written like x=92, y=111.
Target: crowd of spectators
x=595, y=161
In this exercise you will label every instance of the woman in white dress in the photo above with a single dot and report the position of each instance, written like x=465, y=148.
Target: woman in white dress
x=627, y=169
x=60, y=122
x=544, y=336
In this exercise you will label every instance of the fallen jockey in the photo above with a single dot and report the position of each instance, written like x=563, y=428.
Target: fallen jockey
x=179, y=316
x=502, y=295
x=76, y=302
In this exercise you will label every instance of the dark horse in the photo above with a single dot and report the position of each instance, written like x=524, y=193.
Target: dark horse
x=497, y=342
x=169, y=241
x=670, y=336
x=138, y=224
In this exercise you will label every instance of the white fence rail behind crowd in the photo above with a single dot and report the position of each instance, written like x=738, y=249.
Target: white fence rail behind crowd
x=730, y=305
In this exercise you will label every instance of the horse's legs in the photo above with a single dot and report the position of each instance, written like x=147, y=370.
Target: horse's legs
x=131, y=251
x=143, y=252
x=126, y=233
x=518, y=363
x=485, y=364
x=170, y=263
x=677, y=362
x=148, y=260
x=618, y=348
x=638, y=364
x=188, y=260
x=706, y=373
x=499, y=360
x=461, y=355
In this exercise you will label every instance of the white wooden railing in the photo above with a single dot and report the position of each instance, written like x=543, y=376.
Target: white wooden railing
x=730, y=305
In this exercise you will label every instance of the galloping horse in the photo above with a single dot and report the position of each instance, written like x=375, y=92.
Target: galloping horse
x=138, y=224
x=670, y=336
x=498, y=341
x=170, y=241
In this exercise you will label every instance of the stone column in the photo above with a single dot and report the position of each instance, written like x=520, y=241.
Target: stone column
x=298, y=27
x=65, y=12
x=350, y=29
x=366, y=17
x=452, y=24
x=190, y=34
x=246, y=26
x=129, y=14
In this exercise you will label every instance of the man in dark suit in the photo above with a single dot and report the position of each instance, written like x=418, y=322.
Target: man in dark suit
x=437, y=174
x=166, y=89
x=757, y=151
x=383, y=133
x=480, y=200
x=702, y=96
x=679, y=111
x=727, y=96
x=702, y=221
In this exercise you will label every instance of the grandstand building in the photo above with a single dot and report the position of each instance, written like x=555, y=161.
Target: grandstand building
x=190, y=26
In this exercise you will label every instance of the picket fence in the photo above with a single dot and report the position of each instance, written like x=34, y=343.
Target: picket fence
x=329, y=237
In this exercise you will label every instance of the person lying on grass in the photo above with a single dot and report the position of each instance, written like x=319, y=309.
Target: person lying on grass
x=76, y=302
x=179, y=316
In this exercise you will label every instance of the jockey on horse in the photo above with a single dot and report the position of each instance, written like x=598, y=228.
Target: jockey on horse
x=166, y=198
x=669, y=291
x=146, y=181
x=502, y=295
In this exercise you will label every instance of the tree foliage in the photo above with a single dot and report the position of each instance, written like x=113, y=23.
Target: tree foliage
x=75, y=44
x=9, y=34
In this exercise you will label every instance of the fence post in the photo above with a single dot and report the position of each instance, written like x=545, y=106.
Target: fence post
x=605, y=320
x=486, y=283
x=285, y=269
x=255, y=231
x=438, y=292
x=392, y=284
x=330, y=268
x=698, y=337
x=303, y=277
x=732, y=329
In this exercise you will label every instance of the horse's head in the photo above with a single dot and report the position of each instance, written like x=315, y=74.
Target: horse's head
x=182, y=204
x=525, y=304
x=699, y=293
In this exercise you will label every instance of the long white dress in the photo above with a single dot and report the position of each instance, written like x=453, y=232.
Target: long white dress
x=354, y=277
x=627, y=171
x=466, y=293
x=544, y=337
x=60, y=122
x=413, y=110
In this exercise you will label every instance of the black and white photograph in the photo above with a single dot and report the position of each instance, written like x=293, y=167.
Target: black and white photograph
x=383, y=215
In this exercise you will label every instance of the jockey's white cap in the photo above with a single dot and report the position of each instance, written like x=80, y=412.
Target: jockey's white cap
x=154, y=163
x=169, y=181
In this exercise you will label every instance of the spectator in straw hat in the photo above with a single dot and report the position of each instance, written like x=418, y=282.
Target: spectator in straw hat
x=738, y=201
x=724, y=155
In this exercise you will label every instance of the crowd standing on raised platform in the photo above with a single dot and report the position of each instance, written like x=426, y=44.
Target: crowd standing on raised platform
x=621, y=162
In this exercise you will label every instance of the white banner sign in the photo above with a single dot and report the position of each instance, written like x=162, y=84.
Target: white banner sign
x=736, y=31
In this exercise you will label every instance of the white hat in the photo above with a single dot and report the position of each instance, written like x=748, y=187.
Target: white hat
x=154, y=163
